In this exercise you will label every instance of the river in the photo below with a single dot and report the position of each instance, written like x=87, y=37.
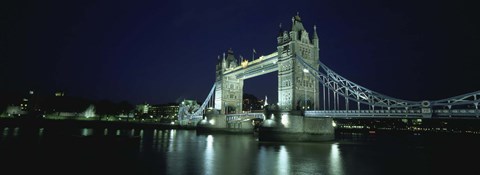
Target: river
x=43, y=151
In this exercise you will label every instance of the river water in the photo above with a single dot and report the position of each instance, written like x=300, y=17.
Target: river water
x=45, y=151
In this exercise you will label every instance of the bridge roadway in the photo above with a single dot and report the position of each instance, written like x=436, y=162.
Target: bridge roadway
x=234, y=118
x=414, y=113
x=262, y=65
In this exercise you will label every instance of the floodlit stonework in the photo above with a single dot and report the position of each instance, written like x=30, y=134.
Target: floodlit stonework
x=297, y=88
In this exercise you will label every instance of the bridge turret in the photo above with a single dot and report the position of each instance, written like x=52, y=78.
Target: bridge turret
x=231, y=60
x=315, y=36
x=220, y=69
x=316, y=44
x=228, y=89
x=297, y=88
x=221, y=65
x=297, y=23
x=280, y=34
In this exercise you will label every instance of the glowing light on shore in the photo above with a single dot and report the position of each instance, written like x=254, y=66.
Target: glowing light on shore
x=89, y=112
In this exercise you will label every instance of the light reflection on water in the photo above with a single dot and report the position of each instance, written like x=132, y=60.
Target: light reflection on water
x=5, y=132
x=187, y=152
x=209, y=156
x=40, y=132
x=335, y=160
x=283, y=161
x=87, y=131
x=15, y=131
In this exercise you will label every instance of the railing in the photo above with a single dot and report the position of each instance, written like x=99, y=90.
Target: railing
x=231, y=118
x=457, y=112
x=469, y=113
x=365, y=113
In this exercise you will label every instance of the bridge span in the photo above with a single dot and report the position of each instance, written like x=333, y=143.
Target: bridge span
x=310, y=94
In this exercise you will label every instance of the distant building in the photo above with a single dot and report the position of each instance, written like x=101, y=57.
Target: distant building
x=143, y=108
x=251, y=103
x=167, y=111
x=24, y=104
x=59, y=94
x=28, y=103
x=153, y=111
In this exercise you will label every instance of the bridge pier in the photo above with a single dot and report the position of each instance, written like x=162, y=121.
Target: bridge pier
x=292, y=126
x=218, y=123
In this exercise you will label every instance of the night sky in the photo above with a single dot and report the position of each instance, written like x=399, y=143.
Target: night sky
x=165, y=51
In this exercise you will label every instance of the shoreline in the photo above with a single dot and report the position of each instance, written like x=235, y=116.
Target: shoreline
x=339, y=133
x=16, y=122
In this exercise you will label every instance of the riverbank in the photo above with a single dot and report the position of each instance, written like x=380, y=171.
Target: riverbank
x=20, y=122
x=339, y=132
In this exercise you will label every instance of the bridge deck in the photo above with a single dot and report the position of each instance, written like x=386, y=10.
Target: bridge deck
x=469, y=113
x=232, y=118
x=260, y=66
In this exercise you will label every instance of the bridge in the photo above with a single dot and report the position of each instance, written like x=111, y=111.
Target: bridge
x=308, y=88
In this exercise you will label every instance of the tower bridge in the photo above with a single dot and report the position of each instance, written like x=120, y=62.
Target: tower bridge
x=310, y=94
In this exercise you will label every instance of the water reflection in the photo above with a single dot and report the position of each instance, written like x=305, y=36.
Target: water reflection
x=5, y=132
x=273, y=158
x=261, y=161
x=171, y=135
x=283, y=165
x=15, y=131
x=40, y=132
x=335, y=160
x=187, y=152
x=87, y=131
x=209, y=156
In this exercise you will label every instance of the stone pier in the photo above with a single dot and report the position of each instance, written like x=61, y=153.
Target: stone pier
x=218, y=123
x=293, y=127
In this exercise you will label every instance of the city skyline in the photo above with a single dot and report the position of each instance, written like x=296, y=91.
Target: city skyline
x=162, y=52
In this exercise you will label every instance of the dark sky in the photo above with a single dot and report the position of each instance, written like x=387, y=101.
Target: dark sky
x=162, y=51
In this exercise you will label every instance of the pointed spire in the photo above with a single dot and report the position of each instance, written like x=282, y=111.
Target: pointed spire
x=280, y=30
x=297, y=18
x=297, y=23
x=266, y=101
x=315, y=36
x=223, y=60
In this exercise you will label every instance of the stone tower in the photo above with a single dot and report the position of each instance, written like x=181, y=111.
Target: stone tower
x=297, y=88
x=229, y=89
